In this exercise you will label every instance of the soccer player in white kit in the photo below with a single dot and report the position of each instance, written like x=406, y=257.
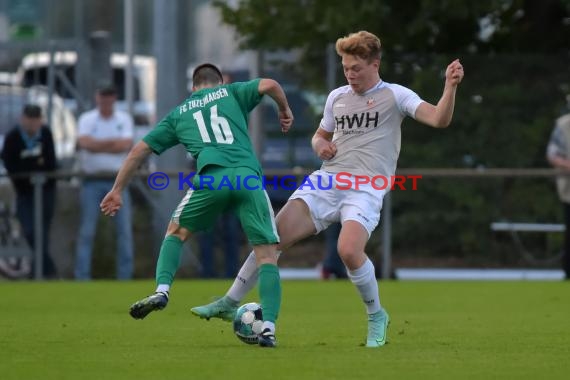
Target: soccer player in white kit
x=358, y=138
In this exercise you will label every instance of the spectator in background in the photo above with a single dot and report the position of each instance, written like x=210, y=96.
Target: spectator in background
x=558, y=154
x=105, y=138
x=29, y=148
x=332, y=265
x=226, y=232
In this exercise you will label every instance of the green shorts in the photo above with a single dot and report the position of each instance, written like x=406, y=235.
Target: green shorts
x=239, y=190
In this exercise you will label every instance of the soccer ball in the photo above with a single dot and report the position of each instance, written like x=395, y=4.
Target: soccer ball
x=248, y=322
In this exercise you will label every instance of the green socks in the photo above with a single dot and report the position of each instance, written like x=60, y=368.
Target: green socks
x=168, y=260
x=270, y=291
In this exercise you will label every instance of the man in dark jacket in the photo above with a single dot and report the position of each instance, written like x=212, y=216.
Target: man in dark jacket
x=29, y=147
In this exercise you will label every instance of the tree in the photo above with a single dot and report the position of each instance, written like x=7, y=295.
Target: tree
x=407, y=28
x=516, y=56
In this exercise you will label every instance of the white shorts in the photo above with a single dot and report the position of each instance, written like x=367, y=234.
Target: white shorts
x=329, y=204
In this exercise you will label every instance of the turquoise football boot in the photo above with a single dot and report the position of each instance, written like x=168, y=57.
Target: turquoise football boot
x=223, y=308
x=377, y=329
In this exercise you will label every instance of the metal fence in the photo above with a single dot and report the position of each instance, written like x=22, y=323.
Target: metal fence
x=391, y=242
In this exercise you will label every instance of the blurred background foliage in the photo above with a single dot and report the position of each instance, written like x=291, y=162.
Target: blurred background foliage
x=516, y=58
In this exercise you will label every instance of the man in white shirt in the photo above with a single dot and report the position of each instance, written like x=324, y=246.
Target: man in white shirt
x=359, y=141
x=105, y=138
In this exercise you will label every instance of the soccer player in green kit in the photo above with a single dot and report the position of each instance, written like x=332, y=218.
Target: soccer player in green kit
x=212, y=126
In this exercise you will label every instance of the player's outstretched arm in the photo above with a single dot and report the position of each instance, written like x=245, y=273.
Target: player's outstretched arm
x=112, y=201
x=275, y=91
x=440, y=115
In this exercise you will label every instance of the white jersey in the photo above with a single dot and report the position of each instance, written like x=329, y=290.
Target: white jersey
x=367, y=128
x=118, y=126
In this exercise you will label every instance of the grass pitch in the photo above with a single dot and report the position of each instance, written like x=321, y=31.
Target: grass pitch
x=439, y=330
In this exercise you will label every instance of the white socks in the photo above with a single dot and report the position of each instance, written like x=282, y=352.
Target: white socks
x=162, y=288
x=365, y=280
x=246, y=279
x=268, y=325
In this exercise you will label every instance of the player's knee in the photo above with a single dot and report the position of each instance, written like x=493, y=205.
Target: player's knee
x=176, y=230
x=348, y=253
x=265, y=254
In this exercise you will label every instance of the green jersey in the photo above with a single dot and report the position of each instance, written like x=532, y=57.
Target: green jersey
x=212, y=126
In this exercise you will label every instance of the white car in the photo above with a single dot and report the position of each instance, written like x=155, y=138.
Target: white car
x=33, y=70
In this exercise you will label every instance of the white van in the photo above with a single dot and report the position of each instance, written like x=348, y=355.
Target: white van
x=33, y=70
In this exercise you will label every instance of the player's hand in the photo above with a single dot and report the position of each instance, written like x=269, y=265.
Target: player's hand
x=286, y=120
x=454, y=73
x=111, y=203
x=326, y=150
